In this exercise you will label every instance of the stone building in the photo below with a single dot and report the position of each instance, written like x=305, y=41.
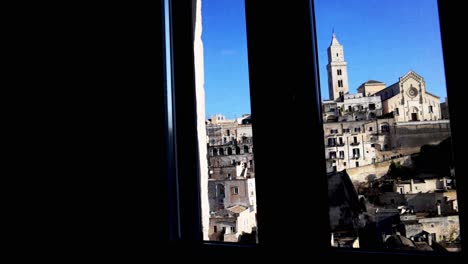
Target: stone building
x=409, y=100
x=371, y=87
x=352, y=107
x=230, y=224
x=231, y=177
x=364, y=133
x=444, y=109
x=378, y=122
x=355, y=144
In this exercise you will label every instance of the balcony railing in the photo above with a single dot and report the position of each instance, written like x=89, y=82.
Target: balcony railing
x=355, y=143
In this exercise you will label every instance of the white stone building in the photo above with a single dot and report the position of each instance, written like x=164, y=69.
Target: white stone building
x=357, y=126
x=231, y=178
x=354, y=144
x=409, y=100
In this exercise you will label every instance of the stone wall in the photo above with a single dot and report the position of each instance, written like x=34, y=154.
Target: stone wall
x=417, y=134
x=446, y=228
x=374, y=171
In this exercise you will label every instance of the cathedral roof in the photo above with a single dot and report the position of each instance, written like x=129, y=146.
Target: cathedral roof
x=372, y=81
x=432, y=94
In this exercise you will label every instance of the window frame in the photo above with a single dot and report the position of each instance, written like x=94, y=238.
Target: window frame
x=298, y=108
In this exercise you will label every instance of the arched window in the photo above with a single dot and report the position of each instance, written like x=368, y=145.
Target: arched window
x=229, y=151
x=237, y=150
x=215, y=152
x=221, y=151
x=246, y=149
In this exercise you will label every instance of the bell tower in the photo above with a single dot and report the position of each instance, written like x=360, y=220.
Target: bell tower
x=337, y=70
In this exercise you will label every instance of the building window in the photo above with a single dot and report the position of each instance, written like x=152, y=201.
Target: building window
x=370, y=128
x=228, y=133
x=215, y=229
x=332, y=154
x=331, y=142
x=338, y=71
x=341, y=154
x=233, y=229
x=357, y=163
x=385, y=128
x=430, y=109
x=340, y=83
x=371, y=106
x=220, y=191
x=235, y=190
x=345, y=130
x=355, y=153
x=397, y=111
x=357, y=129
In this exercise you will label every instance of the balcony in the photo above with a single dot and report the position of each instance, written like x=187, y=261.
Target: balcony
x=355, y=143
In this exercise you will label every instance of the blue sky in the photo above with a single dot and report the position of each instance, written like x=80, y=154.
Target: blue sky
x=382, y=39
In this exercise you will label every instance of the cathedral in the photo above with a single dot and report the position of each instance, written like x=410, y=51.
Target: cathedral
x=365, y=127
x=406, y=100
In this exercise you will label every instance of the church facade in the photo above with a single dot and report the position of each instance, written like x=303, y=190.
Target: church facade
x=409, y=100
